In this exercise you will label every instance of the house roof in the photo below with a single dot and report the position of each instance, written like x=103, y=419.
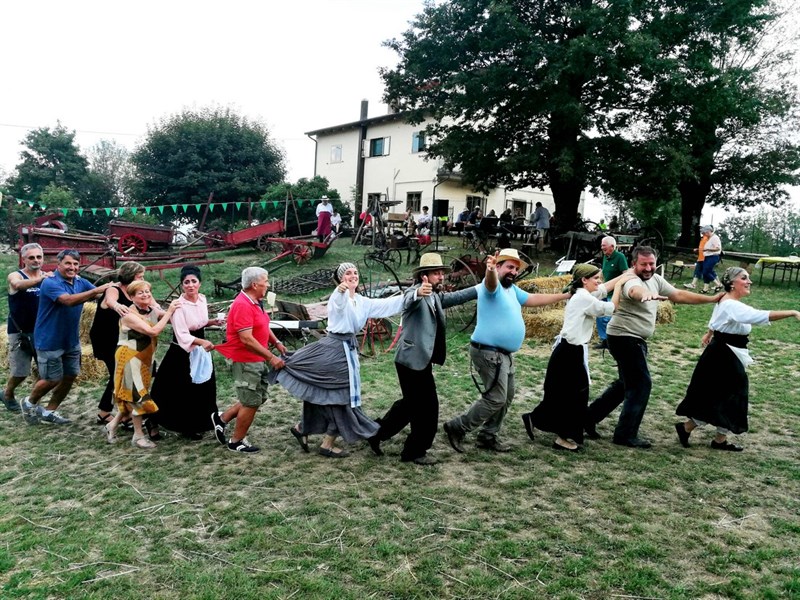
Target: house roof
x=356, y=124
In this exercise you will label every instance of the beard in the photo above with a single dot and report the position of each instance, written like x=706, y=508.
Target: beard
x=507, y=280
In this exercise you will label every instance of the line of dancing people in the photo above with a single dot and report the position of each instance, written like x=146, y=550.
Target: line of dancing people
x=45, y=309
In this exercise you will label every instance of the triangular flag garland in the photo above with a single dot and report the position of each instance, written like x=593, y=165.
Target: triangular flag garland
x=120, y=210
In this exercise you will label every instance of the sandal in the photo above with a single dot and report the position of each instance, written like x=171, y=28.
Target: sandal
x=726, y=445
x=331, y=453
x=101, y=420
x=142, y=443
x=301, y=439
x=127, y=425
x=111, y=434
x=152, y=431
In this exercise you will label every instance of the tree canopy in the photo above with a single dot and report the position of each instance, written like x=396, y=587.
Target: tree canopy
x=659, y=100
x=188, y=156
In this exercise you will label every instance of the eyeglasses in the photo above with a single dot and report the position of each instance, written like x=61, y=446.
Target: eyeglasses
x=37, y=257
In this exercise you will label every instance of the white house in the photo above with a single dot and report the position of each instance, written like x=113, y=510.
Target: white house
x=384, y=157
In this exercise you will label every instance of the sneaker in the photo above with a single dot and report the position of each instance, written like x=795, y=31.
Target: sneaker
x=30, y=412
x=219, y=428
x=243, y=446
x=11, y=404
x=53, y=418
x=689, y=286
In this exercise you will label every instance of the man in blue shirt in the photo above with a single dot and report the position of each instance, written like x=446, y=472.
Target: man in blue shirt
x=56, y=336
x=499, y=333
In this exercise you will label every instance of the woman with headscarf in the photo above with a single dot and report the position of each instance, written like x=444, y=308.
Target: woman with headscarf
x=325, y=375
x=566, y=383
x=185, y=399
x=709, y=252
x=725, y=404
x=104, y=333
x=138, y=336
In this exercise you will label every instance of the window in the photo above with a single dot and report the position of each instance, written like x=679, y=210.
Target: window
x=377, y=147
x=414, y=201
x=336, y=153
x=418, y=142
x=476, y=201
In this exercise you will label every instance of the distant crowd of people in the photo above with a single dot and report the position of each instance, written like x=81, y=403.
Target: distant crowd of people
x=181, y=396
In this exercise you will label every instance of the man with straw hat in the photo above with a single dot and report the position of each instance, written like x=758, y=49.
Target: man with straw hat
x=499, y=333
x=421, y=345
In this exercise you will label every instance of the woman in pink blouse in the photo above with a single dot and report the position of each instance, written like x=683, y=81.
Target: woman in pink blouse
x=184, y=406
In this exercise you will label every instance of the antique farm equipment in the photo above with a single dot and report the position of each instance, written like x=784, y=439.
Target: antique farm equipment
x=138, y=238
x=257, y=235
x=95, y=249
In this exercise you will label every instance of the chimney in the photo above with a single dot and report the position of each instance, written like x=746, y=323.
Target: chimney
x=364, y=109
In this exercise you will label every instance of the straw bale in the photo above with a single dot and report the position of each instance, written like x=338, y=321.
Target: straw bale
x=91, y=368
x=544, y=326
x=545, y=285
x=666, y=312
x=87, y=317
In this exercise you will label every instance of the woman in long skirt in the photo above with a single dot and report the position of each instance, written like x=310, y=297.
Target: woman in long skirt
x=566, y=383
x=325, y=375
x=183, y=405
x=718, y=393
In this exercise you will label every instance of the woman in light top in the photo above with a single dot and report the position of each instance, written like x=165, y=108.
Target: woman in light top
x=566, y=383
x=183, y=405
x=325, y=374
x=718, y=393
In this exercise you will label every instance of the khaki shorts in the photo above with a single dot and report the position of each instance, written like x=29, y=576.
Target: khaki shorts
x=19, y=361
x=250, y=381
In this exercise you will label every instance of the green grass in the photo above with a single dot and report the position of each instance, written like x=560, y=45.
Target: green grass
x=81, y=519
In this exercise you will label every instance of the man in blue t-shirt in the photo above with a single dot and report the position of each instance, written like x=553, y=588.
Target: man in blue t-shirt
x=56, y=336
x=499, y=333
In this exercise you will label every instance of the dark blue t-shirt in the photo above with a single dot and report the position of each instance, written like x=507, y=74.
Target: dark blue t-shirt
x=57, y=324
x=23, y=307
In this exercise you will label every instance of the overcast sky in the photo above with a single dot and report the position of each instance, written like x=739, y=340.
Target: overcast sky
x=109, y=69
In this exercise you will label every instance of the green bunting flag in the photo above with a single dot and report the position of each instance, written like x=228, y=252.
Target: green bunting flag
x=161, y=209
x=185, y=207
x=197, y=207
x=300, y=202
x=274, y=204
x=30, y=204
x=80, y=211
x=134, y=209
x=94, y=211
x=263, y=204
x=121, y=210
x=175, y=208
x=147, y=209
x=19, y=201
x=108, y=212
x=224, y=205
x=64, y=210
x=238, y=205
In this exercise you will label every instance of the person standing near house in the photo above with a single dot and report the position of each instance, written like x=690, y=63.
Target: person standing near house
x=56, y=336
x=614, y=265
x=324, y=213
x=540, y=219
x=23, y=304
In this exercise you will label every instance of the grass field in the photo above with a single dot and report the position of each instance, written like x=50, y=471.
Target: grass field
x=82, y=519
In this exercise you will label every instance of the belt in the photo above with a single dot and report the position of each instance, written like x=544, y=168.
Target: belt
x=489, y=348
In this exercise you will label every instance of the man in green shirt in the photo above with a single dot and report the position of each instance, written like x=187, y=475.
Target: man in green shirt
x=614, y=265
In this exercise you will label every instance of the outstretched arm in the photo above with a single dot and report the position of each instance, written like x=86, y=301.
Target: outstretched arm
x=545, y=299
x=777, y=315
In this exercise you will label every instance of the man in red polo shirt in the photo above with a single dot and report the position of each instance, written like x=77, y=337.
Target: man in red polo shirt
x=248, y=342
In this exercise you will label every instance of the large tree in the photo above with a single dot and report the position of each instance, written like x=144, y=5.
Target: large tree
x=188, y=156
x=520, y=90
x=717, y=123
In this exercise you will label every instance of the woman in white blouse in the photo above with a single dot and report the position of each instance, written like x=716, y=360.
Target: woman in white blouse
x=725, y=403
x=184, y=406
x=566, y=384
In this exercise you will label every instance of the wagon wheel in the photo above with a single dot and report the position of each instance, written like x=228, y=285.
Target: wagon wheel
x=132, y=243
x=650, y=236
x=301, y=254
x=376, y=337
x=265, y=244
x=589, y=226
x=292, y=339
x=462, y=274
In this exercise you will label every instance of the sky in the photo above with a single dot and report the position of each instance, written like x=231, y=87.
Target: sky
x=109, y=70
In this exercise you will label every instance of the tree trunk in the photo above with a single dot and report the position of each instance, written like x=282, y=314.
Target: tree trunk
x=693, y=198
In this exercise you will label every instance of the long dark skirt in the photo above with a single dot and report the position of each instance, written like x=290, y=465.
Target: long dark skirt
x=719, y=390
x=317, y=374
x=183, y=406
x=566, y=394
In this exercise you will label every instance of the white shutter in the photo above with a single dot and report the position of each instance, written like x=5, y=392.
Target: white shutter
x=386, y=142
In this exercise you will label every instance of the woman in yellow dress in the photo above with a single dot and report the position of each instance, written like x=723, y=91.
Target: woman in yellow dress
x=138, y=335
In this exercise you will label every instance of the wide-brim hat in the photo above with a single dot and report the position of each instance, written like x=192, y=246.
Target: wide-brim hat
x=430, y=261
x=511, y=254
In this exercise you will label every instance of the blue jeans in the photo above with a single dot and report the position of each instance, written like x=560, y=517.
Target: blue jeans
x=632, y=389
x=602, y=324
x=708, y=268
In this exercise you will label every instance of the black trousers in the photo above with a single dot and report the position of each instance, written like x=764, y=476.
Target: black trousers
x=632, y=389
x=418, y=407
x=107, y=399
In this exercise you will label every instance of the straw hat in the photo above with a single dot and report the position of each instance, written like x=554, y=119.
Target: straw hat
x=512, y=254
x=430, y=261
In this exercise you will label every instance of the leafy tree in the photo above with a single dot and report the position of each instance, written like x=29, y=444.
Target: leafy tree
x=304, y=189
x=188, y=156
x=713, y=127
x=111, y=162
x=774, y=232
x=520, y=91
x=54, y=173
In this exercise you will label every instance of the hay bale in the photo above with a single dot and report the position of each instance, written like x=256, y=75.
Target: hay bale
x=666, y=312
x=545, y=285
x=544, y=326
x=87, y=318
